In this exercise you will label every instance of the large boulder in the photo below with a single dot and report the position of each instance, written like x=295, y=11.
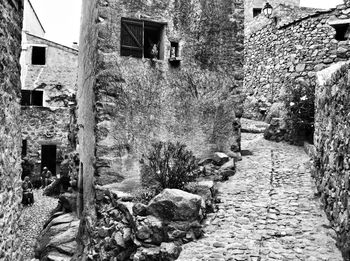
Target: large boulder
x=58, y=239
x=175, y=205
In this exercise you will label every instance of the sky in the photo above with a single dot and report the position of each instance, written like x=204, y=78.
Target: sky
x=61, y=18
x=320, y=3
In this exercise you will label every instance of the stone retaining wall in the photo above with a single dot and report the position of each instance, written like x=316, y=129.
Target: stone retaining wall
x=10, y=135
x=332, y=161
x=293, y=45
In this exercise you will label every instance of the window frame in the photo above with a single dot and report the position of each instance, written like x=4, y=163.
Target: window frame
x=33, y=47
x=31, y=99
x=256, y=11
x=146, y=25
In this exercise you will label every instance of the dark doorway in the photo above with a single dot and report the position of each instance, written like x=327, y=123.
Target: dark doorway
x=48, y=158
x=24, y=148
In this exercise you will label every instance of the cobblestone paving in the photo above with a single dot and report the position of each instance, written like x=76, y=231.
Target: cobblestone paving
x=268, y=211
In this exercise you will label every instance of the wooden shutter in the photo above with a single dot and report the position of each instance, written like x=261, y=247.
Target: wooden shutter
x=37, y=98
x=131, y=38
x=25, y=100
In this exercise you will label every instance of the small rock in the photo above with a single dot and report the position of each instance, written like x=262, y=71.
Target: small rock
x=140, y=209
x=220, y=158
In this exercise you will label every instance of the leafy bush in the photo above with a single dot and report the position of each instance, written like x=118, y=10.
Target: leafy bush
x=168, y=165
x=300, y=105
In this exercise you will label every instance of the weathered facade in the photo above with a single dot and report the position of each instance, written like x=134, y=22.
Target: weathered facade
x=49, y=74
x=332, y=132
x=253, y=8
x=186, y=89
x=291, y=46
x=10, y=135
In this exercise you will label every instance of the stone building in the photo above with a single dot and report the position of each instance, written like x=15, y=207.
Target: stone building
x=10, y=135
x=156, y=70
x=291, y=46
x=49, y=77
x=252, y=8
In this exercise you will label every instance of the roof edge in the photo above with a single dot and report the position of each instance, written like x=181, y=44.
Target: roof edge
x=36, y=15
x=62, y=45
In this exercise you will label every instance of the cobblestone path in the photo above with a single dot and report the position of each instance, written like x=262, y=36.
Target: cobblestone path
x=268, y=211
x=32, y=221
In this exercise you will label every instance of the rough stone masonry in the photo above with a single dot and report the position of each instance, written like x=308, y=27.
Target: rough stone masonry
x=188, y=89
x=10, y=135
x=293, y=45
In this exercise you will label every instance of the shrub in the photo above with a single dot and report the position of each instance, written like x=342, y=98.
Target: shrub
x=168, y=165
x=300, y=105
x=144, y=195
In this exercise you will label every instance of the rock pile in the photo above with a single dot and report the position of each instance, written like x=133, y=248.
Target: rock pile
x=277, y=130
x=156, y=231
x=219, y=167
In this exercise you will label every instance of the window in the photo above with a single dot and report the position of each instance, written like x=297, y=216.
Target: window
x=34, y=98
x=256, y=11
x=341, y=32
x=174, y=50
x=142, y=39
x=38, y=55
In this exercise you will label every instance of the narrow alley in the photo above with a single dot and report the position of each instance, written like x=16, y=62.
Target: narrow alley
x=268, y=211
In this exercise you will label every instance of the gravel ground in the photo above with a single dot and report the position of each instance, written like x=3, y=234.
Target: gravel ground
x=33, y=219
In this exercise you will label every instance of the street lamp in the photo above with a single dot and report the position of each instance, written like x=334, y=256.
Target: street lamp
x=267, y=10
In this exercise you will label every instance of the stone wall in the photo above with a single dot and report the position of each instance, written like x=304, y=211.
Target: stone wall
x=139, y=101
x=10, y=136
x=49, y=125
x=292, y=49
x=332, y=132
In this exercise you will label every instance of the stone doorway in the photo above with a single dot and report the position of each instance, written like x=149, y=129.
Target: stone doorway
x=48, y=157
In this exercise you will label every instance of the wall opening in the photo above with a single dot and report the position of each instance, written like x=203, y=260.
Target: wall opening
x=152, y=40
x=38, y=55
x=342, y=31
x=25, y=97
x=37, y=98
x=142, y=39
x=174, y=51
x=256, y=11
x=31, y=98
x=24, y=148
x=48, y=158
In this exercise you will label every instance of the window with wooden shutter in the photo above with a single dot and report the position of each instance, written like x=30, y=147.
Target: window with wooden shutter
x=25, y=100
x=37, y=98
x=142, y=39
x=30, y=98
x=132, y=38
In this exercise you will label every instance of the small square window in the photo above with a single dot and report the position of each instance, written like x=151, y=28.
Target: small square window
x=256, y=11
x=38, y=55
x=342, y=31
x=174, y=49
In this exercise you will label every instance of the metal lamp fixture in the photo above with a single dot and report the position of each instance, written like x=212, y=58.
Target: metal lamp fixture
x=267, y=10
